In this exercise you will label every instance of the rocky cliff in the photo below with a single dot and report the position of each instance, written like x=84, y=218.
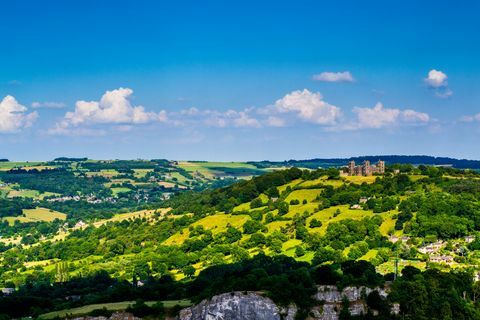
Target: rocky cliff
x=253, y=306
x=237, y=306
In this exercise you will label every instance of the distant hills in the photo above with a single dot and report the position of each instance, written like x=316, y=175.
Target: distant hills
x=338, y=162
x=389, y=159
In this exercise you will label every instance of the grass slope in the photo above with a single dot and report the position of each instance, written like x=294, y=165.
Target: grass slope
x=36, y=215
x=115, y=306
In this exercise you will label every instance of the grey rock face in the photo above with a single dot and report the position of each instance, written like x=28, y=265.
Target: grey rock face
x=237, y=306
x=252, y=306
x=330, y=294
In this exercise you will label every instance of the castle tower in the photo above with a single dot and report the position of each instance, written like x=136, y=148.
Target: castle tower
x=351, y=168
x=367, y=170
x=381, y=166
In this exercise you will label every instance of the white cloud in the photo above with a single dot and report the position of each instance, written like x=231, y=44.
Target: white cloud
x=243, y=119
x=475, y=117
x=113, y=108
x=227, y=118
x=443, y=93
x=437, y=81
x=308, y=106
x=409, y=115
x=48, y=104
x=345, y=76
x=273, y=121
x=379, y=117
x=13, y=116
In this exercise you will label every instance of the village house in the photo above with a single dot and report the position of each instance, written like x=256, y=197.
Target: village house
x=65, y=198
x=80, y=224
x=363, y=200
x=469, y=239
x=432, y=248
x=441, y=259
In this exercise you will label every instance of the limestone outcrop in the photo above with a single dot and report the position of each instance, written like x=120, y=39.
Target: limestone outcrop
x=237, y=306
x=254, y=306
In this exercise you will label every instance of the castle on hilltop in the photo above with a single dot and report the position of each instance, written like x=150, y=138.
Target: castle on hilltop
x=366, y=169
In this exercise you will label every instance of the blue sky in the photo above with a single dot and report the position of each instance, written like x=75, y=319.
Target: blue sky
x=238, y=80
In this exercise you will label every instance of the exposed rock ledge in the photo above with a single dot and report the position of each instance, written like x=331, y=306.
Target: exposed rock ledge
x=253, y=306
x=237, y=306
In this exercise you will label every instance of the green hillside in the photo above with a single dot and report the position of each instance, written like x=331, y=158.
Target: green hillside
x=424, y=217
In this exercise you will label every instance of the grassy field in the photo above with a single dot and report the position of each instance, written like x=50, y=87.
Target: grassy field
x=28, y=193
x=312, y=183
x=140, y=173
x=388, y=224
x=389, y=266
x=115, y=306
x=4, y=166
x=303, y=194
x=118, y=190
x=36, y=215
x=326, y=216
x=292, y=184
x=216, y=223
x=369, y=255
x=213, y=169
x=130, y=215
x=361, y=179
x=107, y=173
x=416, y=177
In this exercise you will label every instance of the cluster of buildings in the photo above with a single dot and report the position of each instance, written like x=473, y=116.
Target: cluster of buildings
x=90, y=199
x=365, y=169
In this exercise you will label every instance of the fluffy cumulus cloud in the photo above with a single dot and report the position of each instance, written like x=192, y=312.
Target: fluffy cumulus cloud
x=344, y=76
x=14, y=116
x=438, y=82
x=308, y=106
x=380, y=117
x=114, y=107
x=297, y=105
x=436, y=79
